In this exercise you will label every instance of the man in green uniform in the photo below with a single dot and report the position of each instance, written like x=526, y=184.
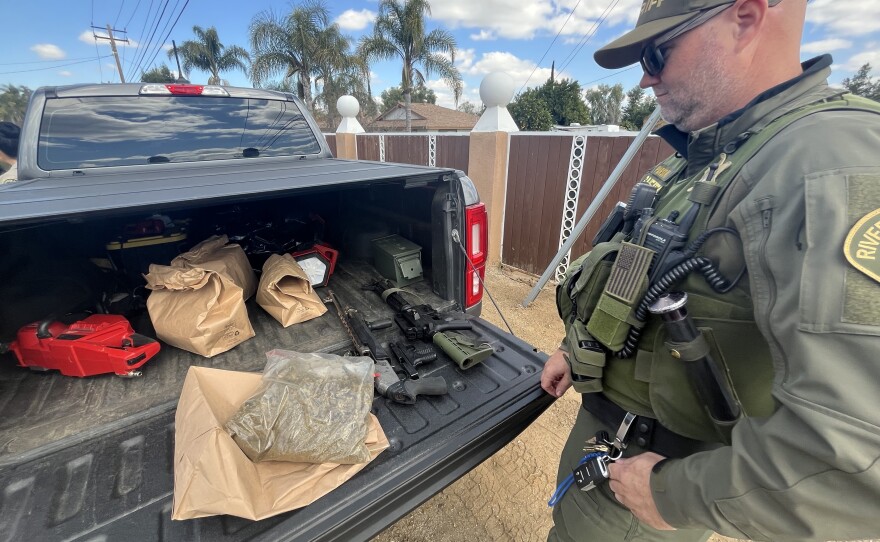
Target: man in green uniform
x=782, y=173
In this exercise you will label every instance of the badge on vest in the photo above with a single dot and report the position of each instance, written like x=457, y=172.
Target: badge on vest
x=862, y=246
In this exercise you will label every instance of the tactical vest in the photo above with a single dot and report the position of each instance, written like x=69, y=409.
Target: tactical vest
x=597, y=325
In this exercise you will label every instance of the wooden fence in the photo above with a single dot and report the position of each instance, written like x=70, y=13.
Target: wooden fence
x=551, y=179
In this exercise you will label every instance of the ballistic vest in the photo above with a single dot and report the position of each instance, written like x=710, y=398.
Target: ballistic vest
x=652, y=382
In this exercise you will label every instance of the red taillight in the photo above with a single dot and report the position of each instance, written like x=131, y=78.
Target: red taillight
x=476, y=241
x=186, y=90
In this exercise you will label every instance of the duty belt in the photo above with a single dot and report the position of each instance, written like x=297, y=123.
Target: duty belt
x=644, y=432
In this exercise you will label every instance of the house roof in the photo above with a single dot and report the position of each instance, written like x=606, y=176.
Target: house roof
x=430, y=117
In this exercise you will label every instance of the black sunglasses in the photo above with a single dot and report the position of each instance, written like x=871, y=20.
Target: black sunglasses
x=653, y=60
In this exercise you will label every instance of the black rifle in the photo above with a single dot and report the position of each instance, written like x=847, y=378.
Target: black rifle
x=425, y=323
x=388, y=381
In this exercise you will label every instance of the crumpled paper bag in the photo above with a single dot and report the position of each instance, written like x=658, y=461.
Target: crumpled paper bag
x=198, y=310
x=286, y=293
x=216, y=254
x=213, y=476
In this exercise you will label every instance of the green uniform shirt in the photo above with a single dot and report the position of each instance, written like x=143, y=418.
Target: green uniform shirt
x=811, y=469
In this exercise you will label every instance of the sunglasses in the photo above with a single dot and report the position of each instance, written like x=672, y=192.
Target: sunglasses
x=653, y=58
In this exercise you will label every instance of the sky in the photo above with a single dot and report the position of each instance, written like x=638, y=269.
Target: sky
x=52, y=42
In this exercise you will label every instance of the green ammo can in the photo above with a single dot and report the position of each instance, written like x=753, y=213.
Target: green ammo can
x=398, y=259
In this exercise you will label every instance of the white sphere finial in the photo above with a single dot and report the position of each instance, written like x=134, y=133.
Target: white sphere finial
x=348, y=106
x=496, y=89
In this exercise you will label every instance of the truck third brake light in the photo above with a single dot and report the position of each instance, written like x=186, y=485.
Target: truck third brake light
x=182, y=90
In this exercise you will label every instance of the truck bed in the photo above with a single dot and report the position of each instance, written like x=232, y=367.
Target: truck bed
x=67, y=444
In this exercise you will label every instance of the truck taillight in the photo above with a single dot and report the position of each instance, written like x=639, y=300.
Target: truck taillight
x=476, y=239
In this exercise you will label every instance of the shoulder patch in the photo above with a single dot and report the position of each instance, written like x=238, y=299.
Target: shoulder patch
x=862, y=245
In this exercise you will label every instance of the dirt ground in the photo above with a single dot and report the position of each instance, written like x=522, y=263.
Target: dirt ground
x=505, y=498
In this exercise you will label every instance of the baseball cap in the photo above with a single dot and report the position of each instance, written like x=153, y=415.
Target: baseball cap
x=657, y=17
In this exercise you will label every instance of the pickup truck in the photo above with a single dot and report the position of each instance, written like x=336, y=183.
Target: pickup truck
x=92, y=458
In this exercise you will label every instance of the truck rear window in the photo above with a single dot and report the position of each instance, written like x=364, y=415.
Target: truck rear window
x=91, y=132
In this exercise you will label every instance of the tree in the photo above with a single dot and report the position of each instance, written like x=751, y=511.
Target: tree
x=605, y=102
x=639, y=106
x=530, y=111
x=399, y=32
x=161, y=74
x=208, y=54
x=289, y=45
x=863, y=84
x=563, y=99
x=13, y=103
x=338, y=71
x=392, y=96
x=471, y=108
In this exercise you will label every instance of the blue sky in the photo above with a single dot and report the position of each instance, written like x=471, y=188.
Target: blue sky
x=51, y=42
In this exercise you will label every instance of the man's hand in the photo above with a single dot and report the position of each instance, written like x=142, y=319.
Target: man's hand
x=631, y=483
x=555, y=378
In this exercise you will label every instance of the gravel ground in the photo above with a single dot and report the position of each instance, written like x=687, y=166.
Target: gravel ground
x=505, y=498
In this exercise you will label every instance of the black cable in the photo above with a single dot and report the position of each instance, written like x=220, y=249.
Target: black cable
x=477, y=273
x=588, y=35
x=661, y=286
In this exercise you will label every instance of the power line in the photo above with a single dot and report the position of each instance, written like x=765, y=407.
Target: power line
x=584, y=85
x=139, y=62
x=589, y=35
x=159, y=48
x=53, y=67
x=43, y=61
x=118, y=13
x=136, y=6
x=549, y=46
x=95, y=39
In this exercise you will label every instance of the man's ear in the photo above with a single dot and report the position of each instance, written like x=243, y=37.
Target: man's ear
x=748, y=17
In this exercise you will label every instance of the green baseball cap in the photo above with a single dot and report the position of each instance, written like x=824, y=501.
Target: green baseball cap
x=657, y=17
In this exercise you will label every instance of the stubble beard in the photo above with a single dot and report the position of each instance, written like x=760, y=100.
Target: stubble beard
x=700, y=101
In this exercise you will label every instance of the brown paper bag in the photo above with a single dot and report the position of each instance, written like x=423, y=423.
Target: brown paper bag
x=213, y=476
x=217, y=255
x=198, y=310
x=286, y=293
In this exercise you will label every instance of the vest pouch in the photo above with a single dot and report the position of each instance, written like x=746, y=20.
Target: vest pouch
x=578, y=293
x=673, y=397
x=627, y=281
x=586, y=358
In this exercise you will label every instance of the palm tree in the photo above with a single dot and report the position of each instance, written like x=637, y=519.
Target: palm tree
x=337, y=71
x=288, y=44
x=399, y=32
x=208, y=54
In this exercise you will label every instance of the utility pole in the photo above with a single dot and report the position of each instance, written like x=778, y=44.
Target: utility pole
x=113, y=48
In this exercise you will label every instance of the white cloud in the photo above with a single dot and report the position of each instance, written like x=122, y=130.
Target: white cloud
x=102, y=39
x=858, y=60
x=484, y=35
x=48, y=51
x=826, y=45
x=355, y=20
x=523, y=20
x=517, y=68
x=856, y=18
x=65, y=73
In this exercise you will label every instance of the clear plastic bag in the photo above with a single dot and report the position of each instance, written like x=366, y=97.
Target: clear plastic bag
x=310, y=408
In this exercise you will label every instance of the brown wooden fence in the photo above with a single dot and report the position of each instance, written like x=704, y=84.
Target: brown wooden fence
x=538, y=182
x=331, y=142
x=449, y=150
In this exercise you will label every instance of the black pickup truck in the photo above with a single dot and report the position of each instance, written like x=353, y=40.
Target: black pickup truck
x=92, y=458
